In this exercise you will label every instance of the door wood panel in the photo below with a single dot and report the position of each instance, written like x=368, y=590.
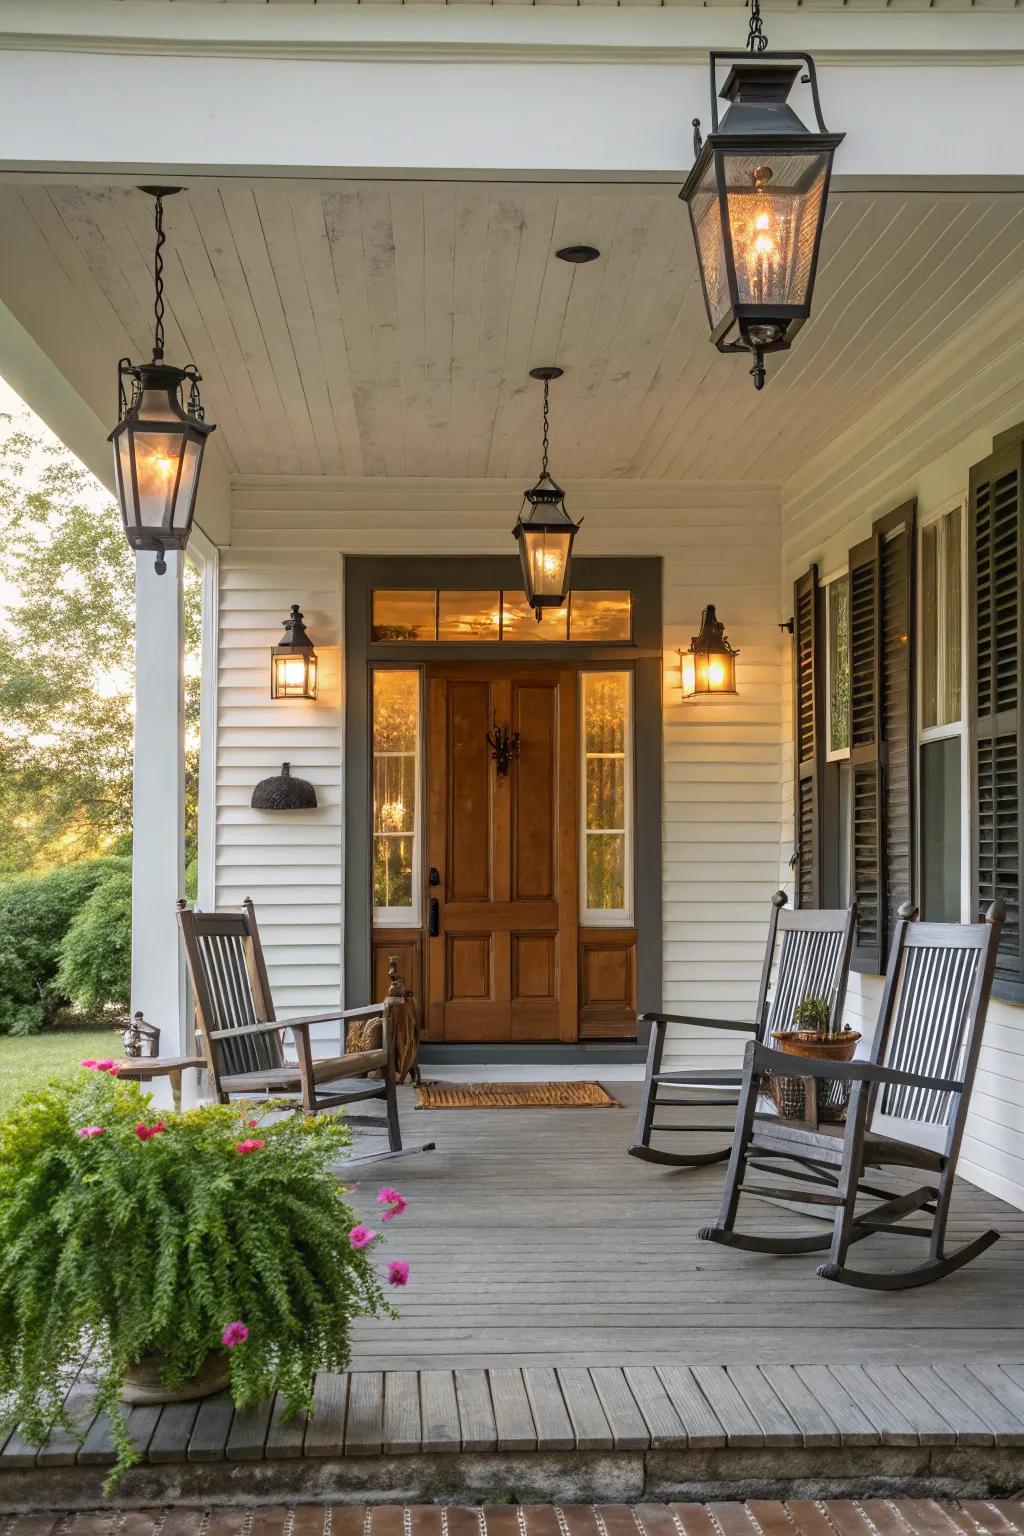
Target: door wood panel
x=503, y=965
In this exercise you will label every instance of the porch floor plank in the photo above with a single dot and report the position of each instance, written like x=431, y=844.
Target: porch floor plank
x=402, y=1434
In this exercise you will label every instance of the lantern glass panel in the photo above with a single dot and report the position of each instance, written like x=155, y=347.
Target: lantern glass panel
x=547, y=553
x=775, y=201
x=706, y=214
x=294, y=676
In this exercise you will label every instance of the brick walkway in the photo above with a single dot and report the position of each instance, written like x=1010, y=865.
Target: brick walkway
x=797, y=1517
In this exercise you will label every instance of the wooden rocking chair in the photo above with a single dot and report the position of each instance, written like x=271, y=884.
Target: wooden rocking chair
x=908, y=1105
x=242, y=1040
x=807, y=955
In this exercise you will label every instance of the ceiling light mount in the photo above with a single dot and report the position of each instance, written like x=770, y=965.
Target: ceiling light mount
x=578, y=255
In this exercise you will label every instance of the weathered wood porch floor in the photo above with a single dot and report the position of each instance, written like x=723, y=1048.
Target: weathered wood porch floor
x=535, y=1240
x=565, y=1336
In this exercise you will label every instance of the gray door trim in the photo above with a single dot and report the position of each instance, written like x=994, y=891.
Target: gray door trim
x=643, y=577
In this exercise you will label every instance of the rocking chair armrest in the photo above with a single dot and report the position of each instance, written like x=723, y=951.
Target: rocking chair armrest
x=333, y=1016
x=688, y=1018
x=267, y=1028
x=780, y=1063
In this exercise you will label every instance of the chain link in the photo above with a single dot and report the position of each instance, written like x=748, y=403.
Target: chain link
x=756, y=40
x=544, y=456
x=158, y=274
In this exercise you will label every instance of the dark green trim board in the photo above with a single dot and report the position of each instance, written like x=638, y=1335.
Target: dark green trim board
x=643, y=577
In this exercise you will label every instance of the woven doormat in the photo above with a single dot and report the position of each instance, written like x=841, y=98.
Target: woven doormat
x=514, y=1096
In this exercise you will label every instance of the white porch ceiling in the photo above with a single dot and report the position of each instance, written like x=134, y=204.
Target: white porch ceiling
x=388, y=328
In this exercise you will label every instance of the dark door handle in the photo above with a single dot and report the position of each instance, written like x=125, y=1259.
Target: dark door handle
x=434, y=918
x=434, y=877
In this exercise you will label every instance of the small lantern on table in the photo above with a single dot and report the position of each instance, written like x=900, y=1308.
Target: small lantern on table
x=140, y=1038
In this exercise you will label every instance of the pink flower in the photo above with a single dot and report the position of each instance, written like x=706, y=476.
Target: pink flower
x=144, y=1132
x=391, y=1197
x=398, y=1272
x=252, y=1145
x=88, y=1131
x=104, y=1066
x=88, y=1062
x=360, y=1236
x=114, y=1068
x=234, y=1333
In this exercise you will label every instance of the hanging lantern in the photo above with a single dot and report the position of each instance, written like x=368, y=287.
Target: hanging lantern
x=709, y=666
x=159, y=441
x=546, y=534
x=293, y=661
x=757, y=196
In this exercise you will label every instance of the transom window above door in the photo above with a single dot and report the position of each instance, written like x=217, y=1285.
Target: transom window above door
x=588, y=617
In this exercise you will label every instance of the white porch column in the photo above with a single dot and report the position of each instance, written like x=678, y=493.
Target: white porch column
x=158, y=843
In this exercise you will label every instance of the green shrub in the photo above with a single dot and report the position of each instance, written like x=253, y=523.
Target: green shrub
x=124, y=1237
x=96, y=952
x=36, y=912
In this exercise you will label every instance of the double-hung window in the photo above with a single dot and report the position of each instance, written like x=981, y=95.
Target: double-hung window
x=943, y=867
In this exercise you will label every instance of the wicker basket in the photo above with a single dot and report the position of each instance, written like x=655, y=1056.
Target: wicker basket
x=787, y=1093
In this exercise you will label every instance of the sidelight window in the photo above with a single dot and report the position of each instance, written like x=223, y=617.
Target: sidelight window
x=941, y=761
x=396, y=796
x=607, y=797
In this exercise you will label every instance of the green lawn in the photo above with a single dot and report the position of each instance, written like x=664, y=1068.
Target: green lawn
x=28, y=1061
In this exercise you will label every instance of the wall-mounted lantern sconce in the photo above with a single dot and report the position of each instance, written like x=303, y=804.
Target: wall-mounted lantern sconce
x=709, y=666
x=293, y=661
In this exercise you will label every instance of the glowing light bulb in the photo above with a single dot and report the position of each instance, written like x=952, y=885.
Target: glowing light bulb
x=716, y=674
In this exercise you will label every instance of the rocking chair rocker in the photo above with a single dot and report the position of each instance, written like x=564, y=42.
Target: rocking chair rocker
x=908, y=1105
x=807, y=955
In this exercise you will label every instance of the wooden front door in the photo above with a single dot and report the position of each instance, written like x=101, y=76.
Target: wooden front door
x=501, y=854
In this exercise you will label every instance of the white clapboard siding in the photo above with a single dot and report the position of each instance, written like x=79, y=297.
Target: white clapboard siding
x=722, y=792
x=289, y=864
x=922, y=442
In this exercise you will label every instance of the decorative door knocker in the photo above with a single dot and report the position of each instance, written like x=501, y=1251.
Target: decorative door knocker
x=504, y=745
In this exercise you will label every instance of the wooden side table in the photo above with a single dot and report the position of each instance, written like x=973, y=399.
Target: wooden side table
x=142, y=1069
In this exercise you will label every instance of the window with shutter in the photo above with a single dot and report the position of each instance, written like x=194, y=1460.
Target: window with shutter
x=995, y=640
x=807, y=736
x=896, y=677
x=867, y=845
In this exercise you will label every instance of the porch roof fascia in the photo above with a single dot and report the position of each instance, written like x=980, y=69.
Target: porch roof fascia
x=67, y=68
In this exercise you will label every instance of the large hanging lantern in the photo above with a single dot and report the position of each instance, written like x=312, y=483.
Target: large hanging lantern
x=709, y=666
x=159, y=440
x=546, y=534
x=757, y=196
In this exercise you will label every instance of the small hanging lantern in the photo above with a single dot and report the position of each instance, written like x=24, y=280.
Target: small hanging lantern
x=293, y=661
x=140, y=1038
x=709, y=666
x=158, y=441
x=545, y=536
x=756, y=196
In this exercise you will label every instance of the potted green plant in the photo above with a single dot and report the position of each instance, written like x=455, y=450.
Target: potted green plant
x=814, y=1033
x=172, y=1255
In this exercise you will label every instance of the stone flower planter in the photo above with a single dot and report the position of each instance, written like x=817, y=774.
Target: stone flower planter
x=143, y=1386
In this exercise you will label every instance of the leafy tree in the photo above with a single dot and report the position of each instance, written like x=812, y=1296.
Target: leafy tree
x=67, y=662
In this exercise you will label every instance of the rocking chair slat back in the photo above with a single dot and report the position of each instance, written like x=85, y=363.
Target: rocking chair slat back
x=811, y=963
x=934, y=1019
x=229, y=978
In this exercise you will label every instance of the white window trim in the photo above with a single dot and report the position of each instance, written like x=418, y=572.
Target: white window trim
x=841, y=754
x=411, y=916
x=607, y=917
x=956, y=728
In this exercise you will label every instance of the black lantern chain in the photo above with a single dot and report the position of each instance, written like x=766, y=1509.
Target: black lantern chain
x=547, y=423
x=757, y=42
x=158, y=277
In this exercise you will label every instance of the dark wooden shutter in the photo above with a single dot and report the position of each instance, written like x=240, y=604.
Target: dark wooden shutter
x=808, y=674
x=996, y=649
x=897, y=569
x=867, y=851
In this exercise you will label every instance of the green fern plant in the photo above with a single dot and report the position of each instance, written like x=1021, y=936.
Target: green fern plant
x=125, y=1235
x=814, y=1015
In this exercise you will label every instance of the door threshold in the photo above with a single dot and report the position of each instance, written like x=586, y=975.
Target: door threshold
x=526, y=1062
